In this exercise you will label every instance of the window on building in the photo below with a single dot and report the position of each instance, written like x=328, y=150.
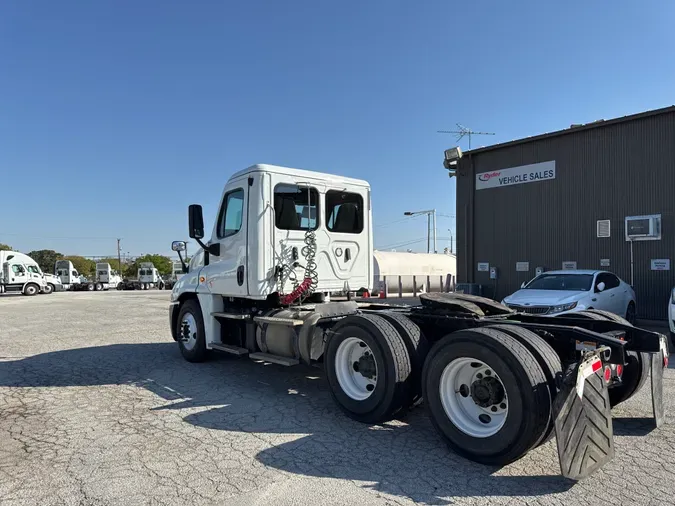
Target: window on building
x=296, y=207
x=344, y=212
x=231, y=214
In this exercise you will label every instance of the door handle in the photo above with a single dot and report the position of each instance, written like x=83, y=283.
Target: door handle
x=348, y=255
x=240, y=275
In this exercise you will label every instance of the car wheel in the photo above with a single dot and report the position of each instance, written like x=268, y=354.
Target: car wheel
x=630, y=313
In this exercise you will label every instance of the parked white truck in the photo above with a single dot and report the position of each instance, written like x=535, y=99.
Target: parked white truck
x=496, y=383
x=104, y=279
x=21, y=274
x=148, y=278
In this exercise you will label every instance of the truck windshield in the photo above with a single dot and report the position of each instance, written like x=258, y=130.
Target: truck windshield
x=573, y=282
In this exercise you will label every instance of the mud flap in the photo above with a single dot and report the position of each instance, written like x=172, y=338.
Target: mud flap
x=659, y=363
x=583, y=420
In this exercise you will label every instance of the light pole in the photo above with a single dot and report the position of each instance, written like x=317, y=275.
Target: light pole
x=431, y=214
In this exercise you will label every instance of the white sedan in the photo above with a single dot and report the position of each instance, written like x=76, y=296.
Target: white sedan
x=557, y=292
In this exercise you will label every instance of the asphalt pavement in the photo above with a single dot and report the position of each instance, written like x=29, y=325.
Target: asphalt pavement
x=98, y=407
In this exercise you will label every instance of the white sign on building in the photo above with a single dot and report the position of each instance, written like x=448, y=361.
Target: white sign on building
x=660, y=264
x=516, y=175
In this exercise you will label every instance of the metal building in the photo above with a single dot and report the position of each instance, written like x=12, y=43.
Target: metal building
x=566, y=199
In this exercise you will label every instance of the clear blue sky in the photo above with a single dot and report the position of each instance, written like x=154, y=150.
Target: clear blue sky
x=117, y=114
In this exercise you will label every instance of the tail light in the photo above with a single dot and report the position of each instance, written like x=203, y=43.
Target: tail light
x=619, y=370
x=607, y=374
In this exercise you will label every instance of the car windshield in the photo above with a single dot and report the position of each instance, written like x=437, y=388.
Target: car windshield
x=574, y=282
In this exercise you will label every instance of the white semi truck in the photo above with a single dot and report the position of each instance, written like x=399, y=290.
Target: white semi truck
x=104, y=279
x=148, y=277
x=496, y=383
x=19, y=273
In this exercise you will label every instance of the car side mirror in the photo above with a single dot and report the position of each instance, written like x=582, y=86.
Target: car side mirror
x=195, y=221
x=178, y=245
x=600, y=286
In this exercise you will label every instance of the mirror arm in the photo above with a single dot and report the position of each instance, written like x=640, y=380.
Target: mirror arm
x=213, y=249
x=182, y=262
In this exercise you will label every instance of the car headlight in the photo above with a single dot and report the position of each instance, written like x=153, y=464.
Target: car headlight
x=563, y=307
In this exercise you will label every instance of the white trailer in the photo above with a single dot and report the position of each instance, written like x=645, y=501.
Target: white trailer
x=21, y=274
x=496, y=383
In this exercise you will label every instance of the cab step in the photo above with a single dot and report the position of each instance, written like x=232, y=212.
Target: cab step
x=274, y=359
x=274, y=320
x=228, y=348
x=231, y=316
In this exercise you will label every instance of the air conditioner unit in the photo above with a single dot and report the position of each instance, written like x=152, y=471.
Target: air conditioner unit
x=643, y=228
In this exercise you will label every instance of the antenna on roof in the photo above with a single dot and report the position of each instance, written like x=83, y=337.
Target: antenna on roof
x=462, y=132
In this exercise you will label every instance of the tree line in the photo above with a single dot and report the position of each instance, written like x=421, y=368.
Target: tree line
x=46, y=259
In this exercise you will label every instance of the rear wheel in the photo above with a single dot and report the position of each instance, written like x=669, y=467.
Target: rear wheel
x=98, y=287
x=47, y=289
x=120, y=286
x=631, y=313
x=368, y=368
x=487, y=395
x=31, y=289
x=90, y=287
x=418, y=348
x=190, y=331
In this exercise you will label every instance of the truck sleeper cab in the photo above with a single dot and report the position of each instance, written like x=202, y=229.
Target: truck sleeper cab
x=496, y=382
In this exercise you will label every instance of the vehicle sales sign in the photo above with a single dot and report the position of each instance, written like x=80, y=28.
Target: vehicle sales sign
x=516, y=175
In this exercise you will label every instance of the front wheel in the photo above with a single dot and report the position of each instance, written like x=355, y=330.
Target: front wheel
x=190, y=332
x=487, y=395
x=48, y=289
x=31, y=289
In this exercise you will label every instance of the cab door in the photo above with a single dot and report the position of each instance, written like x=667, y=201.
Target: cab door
x=226, y=273
x=18, y=274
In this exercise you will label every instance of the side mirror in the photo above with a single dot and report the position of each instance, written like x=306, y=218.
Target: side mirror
x=600, y=286
x=178, y=245
x=195, y=221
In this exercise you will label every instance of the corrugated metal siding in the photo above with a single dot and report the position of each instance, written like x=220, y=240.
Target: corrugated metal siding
x=609, y=172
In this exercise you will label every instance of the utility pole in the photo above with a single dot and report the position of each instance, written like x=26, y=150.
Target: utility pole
x=119, y=256
x=462, y=132
x=431, y=215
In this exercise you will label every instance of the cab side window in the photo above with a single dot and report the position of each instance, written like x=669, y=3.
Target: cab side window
x=33, y=269
x=295, y=207
x=18, y=269
x=344, y=212
x=231, y=214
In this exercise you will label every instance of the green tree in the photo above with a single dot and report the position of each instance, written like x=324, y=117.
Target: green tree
x=5, y=247
x=83, y=265
x=46, y=258
x=162, y=263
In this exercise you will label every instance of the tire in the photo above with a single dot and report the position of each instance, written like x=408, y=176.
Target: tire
x=382, y=347
x=417, y=346
x=195, y=351
x=529, y=409
x=49, y=289
x=98, y=287
x=631, y=314
x=636, y=369
x=546, y=357
x=31, y=289
x=120, y=286
x=90, y=287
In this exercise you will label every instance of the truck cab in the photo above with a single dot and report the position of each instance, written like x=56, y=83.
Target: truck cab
x=21, y=274
x=107, y=276
x=271, y=219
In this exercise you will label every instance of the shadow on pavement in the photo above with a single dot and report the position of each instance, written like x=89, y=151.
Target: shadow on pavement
x=633, y=426
x=291, y=409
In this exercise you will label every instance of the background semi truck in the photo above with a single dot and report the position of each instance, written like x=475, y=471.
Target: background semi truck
x=104, y=278
x=496, y=383
x=19, y=273
x=148, y=277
